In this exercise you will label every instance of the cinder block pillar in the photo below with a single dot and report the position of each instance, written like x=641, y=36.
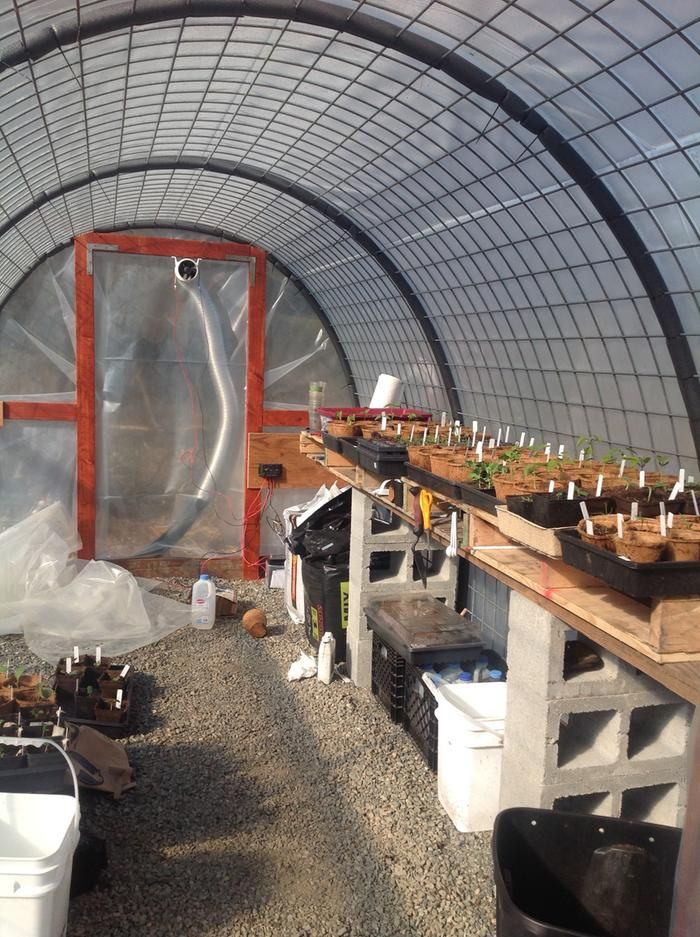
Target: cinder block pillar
x=611, y=741
x=398, y=541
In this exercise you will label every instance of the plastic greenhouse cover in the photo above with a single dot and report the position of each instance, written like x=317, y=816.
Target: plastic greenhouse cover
x=58, y=601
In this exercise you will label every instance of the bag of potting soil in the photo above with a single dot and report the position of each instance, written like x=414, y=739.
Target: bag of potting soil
x=331, y=518
x=326, y=600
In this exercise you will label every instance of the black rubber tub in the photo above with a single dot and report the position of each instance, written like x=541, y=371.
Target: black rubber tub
x=564, y=875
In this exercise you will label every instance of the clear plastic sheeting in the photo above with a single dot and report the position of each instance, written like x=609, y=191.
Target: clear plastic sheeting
x=297, y=349
x=58, y=601
x=170, y=382
x=37, y=467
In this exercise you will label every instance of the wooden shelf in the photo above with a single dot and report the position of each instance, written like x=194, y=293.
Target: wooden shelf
x=622, y=625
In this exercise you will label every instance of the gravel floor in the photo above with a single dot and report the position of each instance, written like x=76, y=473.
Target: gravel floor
x=269, y=808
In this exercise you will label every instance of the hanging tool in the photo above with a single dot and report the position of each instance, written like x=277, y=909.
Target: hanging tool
x=422, y=503
x=451, y=551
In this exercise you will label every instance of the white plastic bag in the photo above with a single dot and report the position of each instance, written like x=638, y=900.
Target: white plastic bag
x=304, y=667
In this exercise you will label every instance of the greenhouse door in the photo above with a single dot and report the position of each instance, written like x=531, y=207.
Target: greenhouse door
x=169, y=384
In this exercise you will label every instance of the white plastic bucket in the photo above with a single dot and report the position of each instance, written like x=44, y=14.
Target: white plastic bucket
x=470, y=746
x=38, y=836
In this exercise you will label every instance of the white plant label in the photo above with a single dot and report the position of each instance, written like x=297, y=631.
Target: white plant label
x=589, y=528
x=670, y=520
x=443, y=419
x=622, y=469
x=662, y=524
x=642, y=478
x=498, y=437
x=620, y=528
x=531, y=443
x=581, y=457
x=505, y=438
x=76, y=652
x=492, y=443
x=425, y=435
x=561, y=451
x=551, y=485
x=120, y=697
x=483, y=433
x=634, y=511
x=522, y=441
x=98, y=655
x=69, y=664
x=674, y=492
x=480, y=450
x=413, y=433
x=662, y=509
x=570, y=492
x=458, y=429
x=695, y=502
x=547, y=451
x=458, y=424
x=449, y=437
x=475, y=428
x=384, y=422
x=599, y=487
x=584, y=512
x=398, y=429
x=437, y=433
x=124, y=670
x=681, y=479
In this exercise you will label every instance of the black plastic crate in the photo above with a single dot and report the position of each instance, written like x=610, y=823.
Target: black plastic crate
x=388, y=674
x=419, y=718
x=638, y=580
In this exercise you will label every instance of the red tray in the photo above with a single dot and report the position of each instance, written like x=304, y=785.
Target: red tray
x=401, y=413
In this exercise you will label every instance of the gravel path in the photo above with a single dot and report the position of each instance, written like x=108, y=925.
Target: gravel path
x=269, y=808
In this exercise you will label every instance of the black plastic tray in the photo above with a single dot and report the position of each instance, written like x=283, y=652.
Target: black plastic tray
x=479, y=498
x=638, y=580
x=331, y=442
x=434, y=482
x=348, y=447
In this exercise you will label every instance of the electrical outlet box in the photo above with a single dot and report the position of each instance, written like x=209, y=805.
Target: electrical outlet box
x=270, y=470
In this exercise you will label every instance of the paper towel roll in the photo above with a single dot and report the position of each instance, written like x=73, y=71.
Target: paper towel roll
x=386, y=391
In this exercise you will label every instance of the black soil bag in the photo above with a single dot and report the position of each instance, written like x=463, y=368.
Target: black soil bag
x=323, y=541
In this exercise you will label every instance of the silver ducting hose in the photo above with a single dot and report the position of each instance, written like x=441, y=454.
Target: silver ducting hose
x=219, y=457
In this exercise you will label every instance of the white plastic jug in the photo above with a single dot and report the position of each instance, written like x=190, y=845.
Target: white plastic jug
x=326, y=658
x=203, y=603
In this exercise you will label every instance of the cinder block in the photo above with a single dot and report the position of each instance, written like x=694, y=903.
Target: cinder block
x=359, y=662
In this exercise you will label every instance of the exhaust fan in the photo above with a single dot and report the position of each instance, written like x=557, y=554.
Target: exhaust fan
x=186, y=269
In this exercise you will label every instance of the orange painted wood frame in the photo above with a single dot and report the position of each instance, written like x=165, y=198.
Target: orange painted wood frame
x=84, y=411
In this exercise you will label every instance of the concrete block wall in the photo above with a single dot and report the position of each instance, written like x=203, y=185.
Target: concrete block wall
x=398, y=541
x=611, y=741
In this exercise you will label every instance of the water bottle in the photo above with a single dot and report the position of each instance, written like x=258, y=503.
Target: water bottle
x=481, y=670
x=326, y=658
x=203, y=603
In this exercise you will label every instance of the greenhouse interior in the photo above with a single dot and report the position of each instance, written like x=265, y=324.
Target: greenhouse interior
x=349, y=468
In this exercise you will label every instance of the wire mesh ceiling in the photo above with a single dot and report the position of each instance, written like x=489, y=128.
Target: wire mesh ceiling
x=499, y=202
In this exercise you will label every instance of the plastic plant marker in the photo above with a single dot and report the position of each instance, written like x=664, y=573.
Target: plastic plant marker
x=674, y=492
x=634, y=511
x=76, y=652
x=581, y=457
x=642, y=477
x=120, y=696
x=492, y=444
x=561, y=451
x=622, y=469
x=695, y=502
x=589, y=528
x=458, y=423
x=443, y=419
x=620, y=526
x=662, y=509
x=449, y=438
x=425, y=435
x=384, y=422
x=570, y=491
x=498, y=437
x=547, y=452
x=522, y=441
x=662, y=524
x=458, y=429
x=475, y=428
x=505, y=438
x=437, y=433
x=599, y=487
x=551, y=485
x=413, y=432
x=398, y=429
x=681, y=479
x=669, y=520
x=584, y=510
x=483, y=433
x=69, y=664
x=125, y=670
x=98, y=655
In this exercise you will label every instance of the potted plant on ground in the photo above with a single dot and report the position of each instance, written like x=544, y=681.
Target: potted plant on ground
x=106, y=710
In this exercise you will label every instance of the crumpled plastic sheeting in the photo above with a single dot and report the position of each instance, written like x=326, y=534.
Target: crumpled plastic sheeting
x=58, y=601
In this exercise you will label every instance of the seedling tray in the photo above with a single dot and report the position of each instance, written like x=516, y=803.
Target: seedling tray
x=518, y=528
x=348, y=447
x=549, y=511
x=332, y=442
x=434, y=482
x=637, y=580
x=483, y=498
x=382, y=457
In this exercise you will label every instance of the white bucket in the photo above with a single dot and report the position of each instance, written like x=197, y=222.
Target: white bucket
x=386, y=391
x=470, y=746
x=38, y=836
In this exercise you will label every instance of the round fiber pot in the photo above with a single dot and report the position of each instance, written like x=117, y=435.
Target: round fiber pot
x=457, y=471
x=683, y=546
x=420, y=457
x=640, y=546
x=340, y=428
x=439, y=459
x=683, y=522
x=604, y=530
x=505, y=486
x=648, y=525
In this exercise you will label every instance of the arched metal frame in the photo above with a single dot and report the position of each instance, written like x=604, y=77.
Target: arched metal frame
x=384, y=33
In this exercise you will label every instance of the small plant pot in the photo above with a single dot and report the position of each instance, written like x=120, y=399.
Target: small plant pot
x=640, y=546
x=439, y=459
x=683, y=546
x=340, y=428
x=457, y=471
x=65, y=684
x=28, y=680
x=27, y=696
x=40, y=712
x=7, y=708
x=604, y=531
x=38, y=729
x=108, y=688
x=420, y=457
x=104, y=712
x=84, y=706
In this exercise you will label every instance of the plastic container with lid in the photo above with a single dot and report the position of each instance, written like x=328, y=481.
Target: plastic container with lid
x=203, y=603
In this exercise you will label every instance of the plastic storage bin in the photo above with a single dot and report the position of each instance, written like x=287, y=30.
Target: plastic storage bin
x=38, y=836
x=562, y=875
x=388, y=673
x=471, y=718
x=419, y=718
